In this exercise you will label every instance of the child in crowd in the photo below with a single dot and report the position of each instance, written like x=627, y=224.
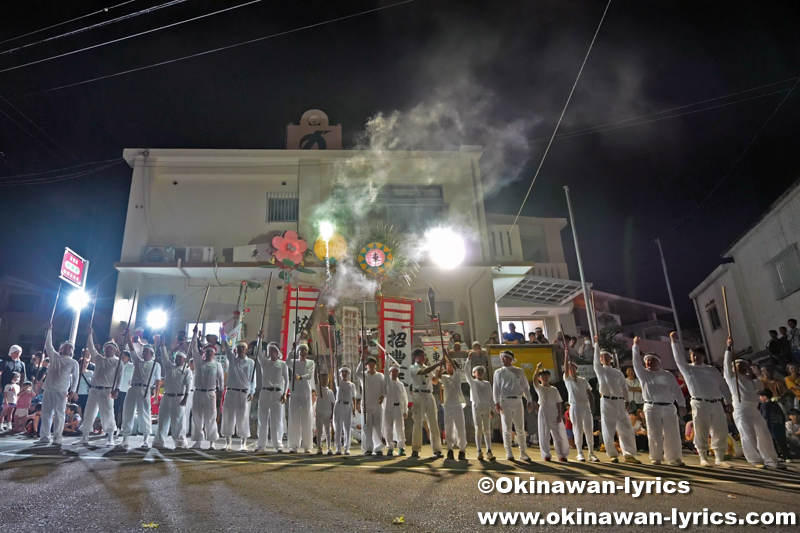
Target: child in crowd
x=454, y=423
x=24, y=402
x=73, y=421
x=482, y=405
x=32, y=424
x=323, y=414
x=10, y=395
x=776, y=422
x=551, y=416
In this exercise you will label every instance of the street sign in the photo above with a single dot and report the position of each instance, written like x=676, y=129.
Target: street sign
x=73, y=268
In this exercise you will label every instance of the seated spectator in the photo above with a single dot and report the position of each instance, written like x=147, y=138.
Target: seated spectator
x=776, y=422
x=532, y=338
x=640, y=431
x=493, y=339
x=778, y=388
x=32, y=424
x=792, y=382
x=793, y=432
x=73, y=422
x=635, y=400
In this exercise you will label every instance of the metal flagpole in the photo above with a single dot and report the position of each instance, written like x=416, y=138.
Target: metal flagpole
x=592, y=331
x=671, y=299
x=197, y=326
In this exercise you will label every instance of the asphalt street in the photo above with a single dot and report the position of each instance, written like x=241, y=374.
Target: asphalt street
x=78, y=488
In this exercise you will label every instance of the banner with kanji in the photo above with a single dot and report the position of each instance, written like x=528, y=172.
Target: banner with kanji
x=433, y=347
x=293, y=323
x=395, y=318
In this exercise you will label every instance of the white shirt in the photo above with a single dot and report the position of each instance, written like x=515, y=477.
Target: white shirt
x=549, y=397
x=634, y=396
x=396, y=393
x=63, y=372
x=143, y=370
x=420, y=383
x=577, y=388
x=240, y=371
x=324, y=402
x=346, y=392
x=610, y=381
x=658, y=386
x=452, y=388
x=305, y=369
x=85, y=382
x=274, y=374
x=480, y=391
x=127, y=375
x=107, y=370
x=206, y=374
x=748, y=388
x=703, y=381
x=12, y=391
x=375, y=387
x=177, y=380
x=510, y=381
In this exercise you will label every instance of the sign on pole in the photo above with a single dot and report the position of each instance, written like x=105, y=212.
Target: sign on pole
x=395, y=319
x=73, y=268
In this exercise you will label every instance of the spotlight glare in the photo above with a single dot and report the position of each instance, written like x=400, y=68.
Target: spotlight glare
x=78, y=299
x=157, y=319
x=326, y=230
x=445, y=247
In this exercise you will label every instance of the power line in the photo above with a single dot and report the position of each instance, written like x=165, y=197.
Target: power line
x=104, y=10
x=129, y=36
x=31, y=135
x=562, y=116
x=753, y=140
x=95, y=26
x=53, y=179
x=220, y=49
x=38, y=128
x=116, y=159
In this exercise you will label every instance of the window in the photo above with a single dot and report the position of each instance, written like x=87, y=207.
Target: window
x=405, y=207
x=784, y=269
x=523, y=326
x=713, y=315
x=282, y=207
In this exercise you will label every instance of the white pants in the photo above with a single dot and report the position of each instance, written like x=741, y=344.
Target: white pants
x=137, y=404
x=455, y=429
x=514, y=413
x=170, y=418
x=235, y=415
x=270, y=419
x=550, y=426
x=756, y=439
x=371, y=426
x=614, y=419
x=424, y=408
x=394, y=426
x=710, y=416
x=54, y=410
x=99, y=401
x=482, y=418
x=187, y=413
x=204, y=416
x=663, y=432
x=323, y=427
x=342, y=418
x=300, y=419
x=582, y=425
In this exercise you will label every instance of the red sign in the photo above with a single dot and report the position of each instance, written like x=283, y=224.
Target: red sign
x=73, y=268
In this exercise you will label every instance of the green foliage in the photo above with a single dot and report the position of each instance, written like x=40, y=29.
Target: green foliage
x=607, y=331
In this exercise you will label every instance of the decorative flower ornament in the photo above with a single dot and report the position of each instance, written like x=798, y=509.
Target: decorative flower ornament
x=289, y=248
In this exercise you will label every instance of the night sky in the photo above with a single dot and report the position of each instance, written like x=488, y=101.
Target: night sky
x=499, y=71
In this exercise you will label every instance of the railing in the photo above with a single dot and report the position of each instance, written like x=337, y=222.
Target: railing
x=550, y=270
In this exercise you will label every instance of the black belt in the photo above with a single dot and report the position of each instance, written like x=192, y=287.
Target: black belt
x=100, y=388
x=428, y=391
x=613, y=398
x=657, y=403
x=709, y=401
x=397, y=404
x=173, y=394
x=205, y=390
x=510, y=398
x=345, y=403
x=238, y=390
x=138, y=385
x=271, y=389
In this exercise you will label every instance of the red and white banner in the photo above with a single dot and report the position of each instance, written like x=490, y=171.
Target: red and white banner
x=395, y=319
x=433, y=347
x=73, y=268
x=293, y=323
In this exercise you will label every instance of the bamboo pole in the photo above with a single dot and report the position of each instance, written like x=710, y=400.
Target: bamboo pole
x=728, y=324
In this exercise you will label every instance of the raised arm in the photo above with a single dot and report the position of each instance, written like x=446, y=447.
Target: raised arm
x=194, y=352
x=727, y=365
x=91, y=347
x=468, y=374
x=638, y=364
x=596, y=364
x=680, y=362
x=49, y=349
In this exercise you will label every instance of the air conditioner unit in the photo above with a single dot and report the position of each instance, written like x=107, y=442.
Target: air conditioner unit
x=158, y=254
x=199, y=254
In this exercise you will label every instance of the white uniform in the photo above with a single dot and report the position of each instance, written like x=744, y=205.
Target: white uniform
x=708, y=389
x=614, y=419
x=580, y=413
x=137, y=400
x=300, y=405
x=509, y=387
x=343, y=414
x=207, y=376
x=107, y=374
x=274, y=383
x=549, y=425
x=757, y=442
x=394, y=415
x=371, y=410
x=240, y=383
x=455, y=429
x=322, y=416
x=423, y=408
x=480, y=393
x=660, y=391
x=62, y=378
x=177, y=384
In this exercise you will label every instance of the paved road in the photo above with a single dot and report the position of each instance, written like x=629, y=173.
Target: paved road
x=76, y=488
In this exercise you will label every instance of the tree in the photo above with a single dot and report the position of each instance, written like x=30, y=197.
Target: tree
x=607, y=331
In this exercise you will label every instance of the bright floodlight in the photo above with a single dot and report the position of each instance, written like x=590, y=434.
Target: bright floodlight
x=325, y=230
x=446, y=247
x=157, y=319
x=78, y=299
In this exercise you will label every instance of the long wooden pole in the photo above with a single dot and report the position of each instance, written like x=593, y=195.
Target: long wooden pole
x=196, y=324
x=52, y=317
x=125, y=338
x=567, y=365
x=728, y=324
x=259, y=338
x=155, y=348
x=333, y=362
x=294, y=342
x=91, y=323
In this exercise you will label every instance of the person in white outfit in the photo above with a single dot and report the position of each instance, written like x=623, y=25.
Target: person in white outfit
x=613, y=407
x=423, y=406
x=240, y=386
x=105, y=380
x=455, y=427
x=344, y=411
x=146, y=374
x=480, y=393
x=274, y=384
x=580, y=411
x=172, y=410
x=300, y=413
x=509, y=387
x=324, y=414
x=708, y=391
x=757, y=445
x=373, y=393
x=660, y=391
x=207, y=377
x=395, y=413
x=551, y=416
x=61, y=384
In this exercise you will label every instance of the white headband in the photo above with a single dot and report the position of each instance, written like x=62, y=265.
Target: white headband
x=651, y=355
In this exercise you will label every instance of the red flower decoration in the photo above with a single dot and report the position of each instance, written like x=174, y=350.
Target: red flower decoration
x=289, y=247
